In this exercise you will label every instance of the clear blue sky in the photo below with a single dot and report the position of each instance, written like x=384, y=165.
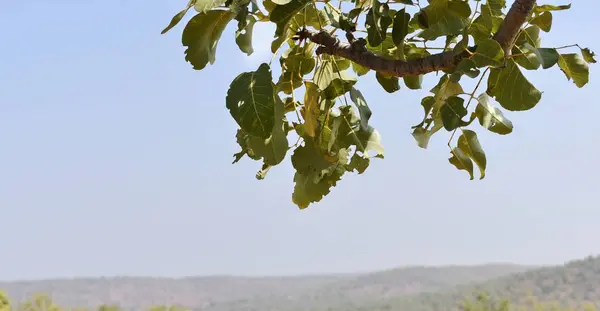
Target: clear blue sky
x=116, y=160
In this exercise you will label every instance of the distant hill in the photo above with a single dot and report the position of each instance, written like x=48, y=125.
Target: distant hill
x=571, y=285
x=259, y=293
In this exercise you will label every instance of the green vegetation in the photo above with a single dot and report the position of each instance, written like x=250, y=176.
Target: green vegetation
x=575, y=285
x=311, y=96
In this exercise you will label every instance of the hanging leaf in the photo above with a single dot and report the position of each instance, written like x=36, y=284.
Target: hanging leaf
x=492, y=118
x=363, y=109
x=461, y=161
x=574, y=67
x=201, y=36
x=400, y=27
x=469, y=144
x=177, y=18
x=251, y=101
x=377, y=22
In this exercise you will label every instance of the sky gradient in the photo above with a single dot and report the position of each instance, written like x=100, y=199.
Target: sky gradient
x=116, y=160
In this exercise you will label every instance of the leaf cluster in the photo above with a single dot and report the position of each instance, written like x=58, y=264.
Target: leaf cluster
x=315, y=97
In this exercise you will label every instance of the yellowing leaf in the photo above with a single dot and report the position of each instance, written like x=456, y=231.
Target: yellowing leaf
x=544, y=21
x=574, y=67
x=311, y=109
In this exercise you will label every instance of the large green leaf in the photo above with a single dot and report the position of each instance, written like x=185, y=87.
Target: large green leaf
x=511, y=89
x=251, y=101
x=452, y=113
x=201, y=36
x=488, y=53
x=273, y=149
x=492, y=118
x=469, y=144
x=574, y=67
x=377, y=22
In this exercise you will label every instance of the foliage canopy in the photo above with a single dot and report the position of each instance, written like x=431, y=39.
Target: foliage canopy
x=473, y=39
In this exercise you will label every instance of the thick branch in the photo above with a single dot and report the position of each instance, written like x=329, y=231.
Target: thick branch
x=357, y=52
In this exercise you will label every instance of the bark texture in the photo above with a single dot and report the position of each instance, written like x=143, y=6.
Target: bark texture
x=356, y=51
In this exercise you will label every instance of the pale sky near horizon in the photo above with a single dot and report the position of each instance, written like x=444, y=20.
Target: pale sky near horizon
x=116, y=160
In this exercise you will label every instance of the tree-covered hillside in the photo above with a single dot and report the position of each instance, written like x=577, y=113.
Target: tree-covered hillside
x=414, y=289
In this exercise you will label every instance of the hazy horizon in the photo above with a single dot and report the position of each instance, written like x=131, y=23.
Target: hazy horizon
x=116, y=160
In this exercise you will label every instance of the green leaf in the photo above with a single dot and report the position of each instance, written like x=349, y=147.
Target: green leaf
x=574, y=67
x=544, y=21
x=292, y=16
x=203, y=6
x=331, y=68
x=547, y=57
x=529, y=35
x=315, y=176
x=492, y=118
x=311, y=109
x=488, y=53
x=549, y=7
x=366, y=140
x=389, y=83
x=363, y=109
x=526, y=58
x=338, y=87
x=445, y=17
x=299, y=59
x=273, y=149
x=461, y=161
x=452, y=113
x=377, y=22
x=400, y=27
x=177, y=18
x=466, y=67
x=251, y=101
x=201, y=35
x=358, y=163
x=511, y=89
x=469, y=144
x=243, y=36
x=289, y=81
x=282, y=14
x=588, y=55
x=359, y=69
x=413, y=82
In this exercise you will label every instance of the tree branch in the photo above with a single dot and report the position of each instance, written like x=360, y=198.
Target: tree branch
x=357, y=52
